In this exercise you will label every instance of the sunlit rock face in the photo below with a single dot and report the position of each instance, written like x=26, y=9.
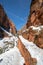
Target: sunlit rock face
x=34, y=34
x=36, y=19
x=36, y=13
x=6, y=23
x=34, y=27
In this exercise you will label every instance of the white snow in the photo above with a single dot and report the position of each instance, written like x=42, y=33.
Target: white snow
x=2, y=44
x=8, y=41
x=36, y=28
x=34, y=50
x=12, y=57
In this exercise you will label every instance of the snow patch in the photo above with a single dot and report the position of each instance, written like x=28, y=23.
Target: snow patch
x=35, y=51
x=36, y=28
x=12, y=57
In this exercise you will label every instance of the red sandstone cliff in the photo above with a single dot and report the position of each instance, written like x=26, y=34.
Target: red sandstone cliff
x=36, y=13
x=35, y=19
x=6, y=23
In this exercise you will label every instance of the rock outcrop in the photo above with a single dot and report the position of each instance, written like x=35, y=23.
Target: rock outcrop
x=34, y=27
x=36, y=20
x=25, y=53
x=6, y=23
x=36, y=13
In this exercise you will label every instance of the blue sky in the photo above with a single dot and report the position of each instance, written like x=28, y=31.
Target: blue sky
x=17, y=11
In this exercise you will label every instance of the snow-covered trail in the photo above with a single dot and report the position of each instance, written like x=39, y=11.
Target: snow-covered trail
x=34, y=50
x=11, y=57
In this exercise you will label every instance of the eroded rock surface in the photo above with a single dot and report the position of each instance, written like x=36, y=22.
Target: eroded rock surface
x=34, y=27
x=6, y=23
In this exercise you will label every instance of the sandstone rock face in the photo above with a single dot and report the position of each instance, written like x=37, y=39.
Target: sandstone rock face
x=39, y=39
x=36, y=13
x=35, y=19
x=25, y=53
x=34, y=35
x=6, y=23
